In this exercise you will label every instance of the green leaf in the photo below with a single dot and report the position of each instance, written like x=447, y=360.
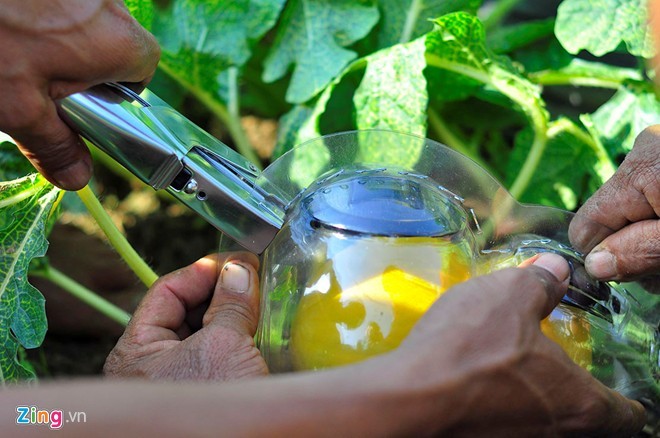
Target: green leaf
x=256, y=96
x=330, y=113
x=457, y=48
x=12, y=163
x=142, y=11
x=303, y=125
x=25, y=207
x=393, y=96
x=290, y=125
x=201, y=39
x=313, y=36
x=545, y=55
x=462, y=65
x=600, y=26
x=624, y=117
x=405, y=20
x=510, y=38
x=568, y=174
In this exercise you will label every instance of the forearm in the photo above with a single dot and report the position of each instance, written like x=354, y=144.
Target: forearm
x=355, y=401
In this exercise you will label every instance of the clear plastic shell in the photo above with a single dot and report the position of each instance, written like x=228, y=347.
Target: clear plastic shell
x=372, y=238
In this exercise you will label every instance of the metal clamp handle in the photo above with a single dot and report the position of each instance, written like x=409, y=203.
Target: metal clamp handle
x=167, y=151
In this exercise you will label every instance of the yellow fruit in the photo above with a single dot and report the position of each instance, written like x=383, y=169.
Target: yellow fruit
x=373, y=317
x=336, y=327
x=570, y=329
x=342, y=322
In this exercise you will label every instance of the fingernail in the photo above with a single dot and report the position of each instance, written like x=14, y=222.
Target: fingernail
x=554, y=263
x=74, y=177
x=235, y=277
x=601, y=264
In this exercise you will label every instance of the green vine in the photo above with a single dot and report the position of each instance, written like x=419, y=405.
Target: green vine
x=116, y=238
x=83, y=294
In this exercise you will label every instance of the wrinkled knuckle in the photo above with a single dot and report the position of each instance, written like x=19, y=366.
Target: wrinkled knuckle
x=645, y=155
x=57, y=155
x=237, y=311
x=115, y=364
x=139, y=338
x=651, y=235
x=649, y=137
x=162, y=283
x=646, y=177
x=247, y=362
x=208, y=317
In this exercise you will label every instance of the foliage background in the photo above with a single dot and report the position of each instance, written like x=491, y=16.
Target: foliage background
x=548, y=98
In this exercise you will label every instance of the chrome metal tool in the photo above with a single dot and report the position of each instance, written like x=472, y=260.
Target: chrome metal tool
x=169, y=152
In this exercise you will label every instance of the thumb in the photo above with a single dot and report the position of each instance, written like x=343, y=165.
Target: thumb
x=235, y=302
x=633, y=251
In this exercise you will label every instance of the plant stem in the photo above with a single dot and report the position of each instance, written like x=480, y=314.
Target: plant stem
x=581, y=73
x=553, y=77
x=233, y=103
x=451, y=139
x=85, y=295
x=500, y=10
x=535, y=113
x=411, y=19
x=607, y=167
x=479, y=75
x=232, y=122
x=539, y=121
x=117, y=240
x=540, y=126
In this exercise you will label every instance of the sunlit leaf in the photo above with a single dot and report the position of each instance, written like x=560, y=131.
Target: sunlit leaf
x=405, y=20
x=624, y=117
x=200, y=40
x=142, y=11
x=393, y=96
x=25, y=207
x=312, y=38
x=600, y=26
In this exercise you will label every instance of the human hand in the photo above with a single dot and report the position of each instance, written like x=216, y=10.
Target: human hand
x=54, y=49
x=479, y=364
x=619, y=226
x=193, y=325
